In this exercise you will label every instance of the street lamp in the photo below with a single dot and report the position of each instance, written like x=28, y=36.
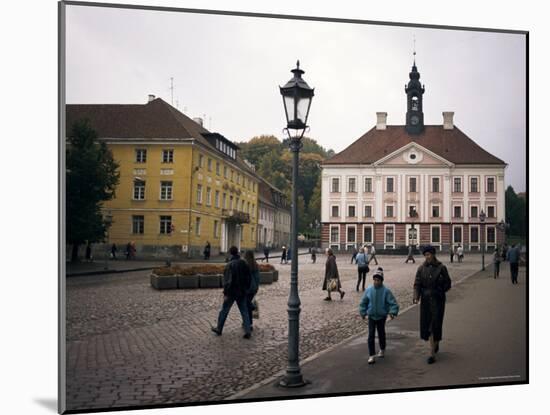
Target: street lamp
x=482, y=217
x=297, y=96
x=107, y=220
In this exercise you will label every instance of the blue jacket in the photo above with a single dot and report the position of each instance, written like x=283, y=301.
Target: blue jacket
x=378, y=303
x=513, y=255
x=362, y=259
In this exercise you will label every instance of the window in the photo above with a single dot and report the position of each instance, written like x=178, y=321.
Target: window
x=224, y=201
x=368, y=211
x=168, y=156
x=197, y=226
x=252, y=234
x=435, y=211
x=218, y=168
x=335, y=211
x=389, y=211
x=351, y=185
x=490, y=211
x=237, y=203
x=435, y=184
x=139, y=190
x=389, y=234
x=216, y=233
x=141, y=155
x=491, y=235
x=238, y=179
x=474, y=211
x=367, y=234
x=209, y=164
x=490, y=184
x=242, y=205
x=474, y=235
x=334, y=234
x=368, y=184
x=199, y=193
x=217, y=199
x=351, y=211
x=457, y=212
x=474, y=185
x=230, y=202
x=457, y=185
x=166, y=225
x=436, y=234
x=412, y=211
x=201, y=160
x=457, y=234
x=232, y=175
x=225, y=171
x=351, y=234
x=335, y=185
x=208, y=196
x=389, y=184
x=248, y=207
x=138, y=224
x=253, y=210
x=412, y=184
x=165, y=190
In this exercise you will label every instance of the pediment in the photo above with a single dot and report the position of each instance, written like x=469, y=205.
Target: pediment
x=411, y=155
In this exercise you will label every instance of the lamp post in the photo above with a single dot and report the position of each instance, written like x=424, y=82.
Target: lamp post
x=482, y=217
x=297, y=96
x=108, y=220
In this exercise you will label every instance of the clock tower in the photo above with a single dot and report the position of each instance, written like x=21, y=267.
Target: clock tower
x=414, y=91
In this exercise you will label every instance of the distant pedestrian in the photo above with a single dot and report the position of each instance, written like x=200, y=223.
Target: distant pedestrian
x=332, y=277
x=505, y=252
x=206, y=251
x=410, y=256
x=289, y=255
x=114, y=250
x=266, y=253
x=377, y=303
x=372, y=254
x=313, y=255
x=497, y=257
x=283, y=255
x=353, y=255
x=132, y=250
x=89, y=257
x=460, y=253
x=236, y=284
x=362, y=268
x=254, y=283
x=452, y=253
x=512, y=257
x=431, y=283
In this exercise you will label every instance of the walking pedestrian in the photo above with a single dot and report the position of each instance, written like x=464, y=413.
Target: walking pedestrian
x=451, y=253
x=372, y=254
x=114, y=250
x=377, y=303
x=431, y=283
x=497, y=257
x=236, y=284
x=89, y=252
x=128, y=250
x=283, y=255
x=410, y=256
x=206, y=251
x=313, y=255
x=254, y=283
x=460, y=253
x=266, y=254
x=353, y=255
x=289, y=255
x=332, y=277
x=132, y=250
x=505, y=251
x=362, y=268
x=512, y=257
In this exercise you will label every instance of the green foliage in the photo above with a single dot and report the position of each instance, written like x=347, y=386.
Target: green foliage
x=516, y=214
x=91, y=178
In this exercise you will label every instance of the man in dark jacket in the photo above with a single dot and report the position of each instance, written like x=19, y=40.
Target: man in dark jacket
x=512, y=256
x=236, y=283
x=430, y=285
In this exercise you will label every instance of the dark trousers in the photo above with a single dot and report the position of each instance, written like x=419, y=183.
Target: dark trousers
x=353, y=258
x=373, y=258
x=266, y=256
x=361, y=276
x=452, y=257
x=514, y=268
x=380, y=326
x=497, y=269
x=250, y=306
x=313, y=259
x=227, y=304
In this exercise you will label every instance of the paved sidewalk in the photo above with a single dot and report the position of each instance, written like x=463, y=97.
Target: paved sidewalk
x=484, y=342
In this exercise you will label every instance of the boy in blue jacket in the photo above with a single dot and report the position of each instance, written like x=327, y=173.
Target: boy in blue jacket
x=377, y=303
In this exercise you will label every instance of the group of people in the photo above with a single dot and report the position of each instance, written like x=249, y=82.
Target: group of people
x=456, y=251
x=512, y=255
x=432, y=281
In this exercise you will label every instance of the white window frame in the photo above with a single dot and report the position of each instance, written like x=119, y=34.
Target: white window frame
x=461, y=242
x=487, y=211
x=198, y=223
x=416, y=208
x=386, y=184
x=332, y=233
x=371, y=227
x=477, y=184
x=365, y=178
x=354, y=209
x=140, y=188
x=432, y=242
x=331, y=211
x=337, y=181
x=371, y=211
x=479, y=236
x=208, y=196
x=487, y=184
x=141, y=155
x=437, y=205
x=490, y=244
x=461, y=211
x=349, y=181
x=167, y=155
x=136, y=222
x=461, y=184
x=438, y=184
x=216, y=225
x=199, y=194
x=415, y=178
x=389, y=244
x=217, y=199
x=351, y=244
x=386, y=205
x=165, y=227
x=166, y=190
x=470, y=212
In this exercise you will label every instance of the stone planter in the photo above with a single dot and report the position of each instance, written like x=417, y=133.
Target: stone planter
x=188, y=281
x=210, y=281
x=266, y=277
x=275, y=275
x=164, y=282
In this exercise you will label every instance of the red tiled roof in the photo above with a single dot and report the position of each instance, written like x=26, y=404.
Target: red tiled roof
x=453, y=145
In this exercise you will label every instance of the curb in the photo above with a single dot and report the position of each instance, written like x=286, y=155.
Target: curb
x=278, y=375
x=109, y=271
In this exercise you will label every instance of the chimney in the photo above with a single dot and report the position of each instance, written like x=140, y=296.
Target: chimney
x=448, y=120
x=198, y=120
x=381, y=120
x=151, y=97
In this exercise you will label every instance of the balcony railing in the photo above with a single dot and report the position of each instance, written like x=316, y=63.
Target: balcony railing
x=232, y=215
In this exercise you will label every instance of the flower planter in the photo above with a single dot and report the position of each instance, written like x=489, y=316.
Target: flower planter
x=210, y=281
x=164, y=282
x=266, y=277
x=188, y=281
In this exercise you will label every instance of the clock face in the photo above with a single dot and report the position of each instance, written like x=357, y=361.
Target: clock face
x=415, y=120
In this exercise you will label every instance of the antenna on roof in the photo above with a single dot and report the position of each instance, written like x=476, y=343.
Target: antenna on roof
x=172, y=90
x=414, y=50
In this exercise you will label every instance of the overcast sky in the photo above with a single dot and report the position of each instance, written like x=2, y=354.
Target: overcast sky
x=227, y=70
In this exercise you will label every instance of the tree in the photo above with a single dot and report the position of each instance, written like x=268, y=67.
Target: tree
x=91, y=178
x=516, y=213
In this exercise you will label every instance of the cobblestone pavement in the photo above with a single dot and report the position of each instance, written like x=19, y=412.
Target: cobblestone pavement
x=129, y=344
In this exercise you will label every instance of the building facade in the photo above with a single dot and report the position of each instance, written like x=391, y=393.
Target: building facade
x=413, y=184
x=274, y=217
x=180, y=187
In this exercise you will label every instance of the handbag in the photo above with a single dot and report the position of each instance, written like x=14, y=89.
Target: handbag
x=332, y=284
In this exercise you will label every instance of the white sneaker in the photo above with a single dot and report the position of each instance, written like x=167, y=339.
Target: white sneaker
x=380, y=353
x=371, y=360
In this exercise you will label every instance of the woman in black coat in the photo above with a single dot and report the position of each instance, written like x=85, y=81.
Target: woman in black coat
x=331, y=272
x=430, y=285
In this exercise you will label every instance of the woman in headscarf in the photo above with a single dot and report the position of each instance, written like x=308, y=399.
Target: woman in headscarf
x=332, y=277
x=430, y=285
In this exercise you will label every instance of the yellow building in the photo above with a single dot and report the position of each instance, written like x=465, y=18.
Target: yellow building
x=180, y=187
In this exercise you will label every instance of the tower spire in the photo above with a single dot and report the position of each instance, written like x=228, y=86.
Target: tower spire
x=414, y=50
